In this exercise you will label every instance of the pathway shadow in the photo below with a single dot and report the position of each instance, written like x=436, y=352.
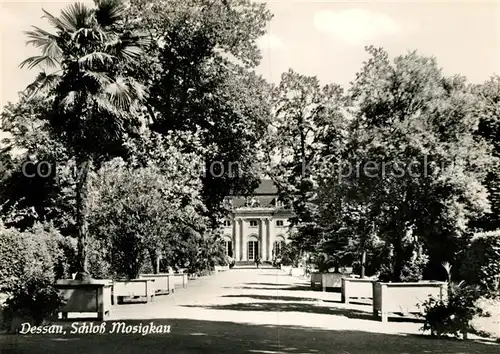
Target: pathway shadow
x=275, y=284
x=216, y=337
x=270, y=297
x=304, y=308
x=289, y=288
x=297, y=286
x=275, y=275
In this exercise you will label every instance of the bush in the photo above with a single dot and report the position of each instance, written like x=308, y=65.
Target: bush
x=229, y=261
x=411, y=271
x=481, y=263
x=454, y=314
x=62, y=249
x=33, y=298
x=290, y=255
x=14, y=256
x=147, y=266
x=19, y=254
x=323, y=262
x=98, y=264
x=414, y=269
x=27, y=276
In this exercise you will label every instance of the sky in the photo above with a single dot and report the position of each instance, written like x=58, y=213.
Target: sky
x=322, y=38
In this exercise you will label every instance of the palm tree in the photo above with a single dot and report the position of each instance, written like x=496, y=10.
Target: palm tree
x=93, y=100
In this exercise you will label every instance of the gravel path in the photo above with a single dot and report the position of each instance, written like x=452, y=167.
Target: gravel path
x=247, y=311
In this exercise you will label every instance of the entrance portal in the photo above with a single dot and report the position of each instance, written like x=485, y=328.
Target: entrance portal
x=253, y=250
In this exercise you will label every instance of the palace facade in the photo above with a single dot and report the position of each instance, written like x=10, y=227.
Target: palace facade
x=258, y=226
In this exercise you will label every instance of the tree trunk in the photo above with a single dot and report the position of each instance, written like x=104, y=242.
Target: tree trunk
x=84, y=165
x=363, y=263
x=398, y=261
x=155, y=260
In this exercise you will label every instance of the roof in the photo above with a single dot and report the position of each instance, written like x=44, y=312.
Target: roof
x=265, y=201
x=266, y=187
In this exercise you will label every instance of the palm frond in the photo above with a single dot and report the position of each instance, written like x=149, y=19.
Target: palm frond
x=39, y=37
x=108, y=12
x=47, y=42
x=87, y=61
x=56, y=22
x=120, y=94
x=104, y=104
x=76, y=16
x=39, y=60
x=86, y=34
x=69, y=99
x=130, y=46
x=101, y=78
x=43, y=85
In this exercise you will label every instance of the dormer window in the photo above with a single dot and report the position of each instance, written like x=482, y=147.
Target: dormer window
x=279, y=203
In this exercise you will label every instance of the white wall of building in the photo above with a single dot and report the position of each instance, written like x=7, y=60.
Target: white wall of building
x=267, y=231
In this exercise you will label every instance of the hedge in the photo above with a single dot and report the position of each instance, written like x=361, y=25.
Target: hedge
x=481, y=262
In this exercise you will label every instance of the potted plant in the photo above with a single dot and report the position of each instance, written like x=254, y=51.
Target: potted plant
x=323, y=278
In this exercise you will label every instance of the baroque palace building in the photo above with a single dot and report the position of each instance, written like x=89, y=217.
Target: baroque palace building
x=258, y=226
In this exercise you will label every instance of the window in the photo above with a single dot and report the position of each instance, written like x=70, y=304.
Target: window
x=279, y=222
x=279, y=203
x=227, y=223
x=229, y=248
x=253, y=223
x=253, y=250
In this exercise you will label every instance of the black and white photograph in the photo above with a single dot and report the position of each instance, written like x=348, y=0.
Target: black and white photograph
x=249, y=177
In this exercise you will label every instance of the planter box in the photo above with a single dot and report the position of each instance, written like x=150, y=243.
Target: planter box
x=85, y=296
x=287, y=269
x=221, y=268
x=144, y=288
x=180, y=280
x=297, y=272
x=164, y=282
x=356, y=288
x=326, y=281
x=403, y=297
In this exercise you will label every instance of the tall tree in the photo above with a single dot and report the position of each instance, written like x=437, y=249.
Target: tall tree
x=136, y=211
x=200, y=71
x=33, y=193
x=418, y=163
x=489, y=129
x=307, y=132
x=93, y=99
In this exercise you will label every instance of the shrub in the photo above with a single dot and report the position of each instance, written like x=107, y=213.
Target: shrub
x=412, y=269
x=147, y=265
x=98, y=264
x=454, y=314
x=14, y=255
x=229, y=261
x=481, y=263
x=290, y=255
x=62, y=249
x=19, y=252
x=323, y=262
x=33, y=297
x=27, y=273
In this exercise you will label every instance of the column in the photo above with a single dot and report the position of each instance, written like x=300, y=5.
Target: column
x=236, y=238
x=262, y=240
x=269, y=242
x=243, y=243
